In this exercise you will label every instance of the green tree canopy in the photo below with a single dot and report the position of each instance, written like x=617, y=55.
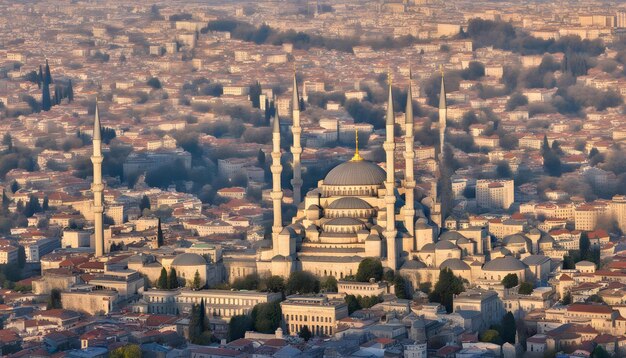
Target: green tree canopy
x=275, y=284
x=329, y=284
x=369, y=268
x=238, y=326
x=127, y=351
x=491, y=336
x=266, y=317
x=305, y=333
x=526, y=288
x=508, y=330
x=302, y=282
x=510, y=280
x=447, y=286
x=162, y=281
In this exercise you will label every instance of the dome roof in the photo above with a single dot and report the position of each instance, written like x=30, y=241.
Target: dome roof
x=412, y=265
x=451, y=235
x=516, y=239
x=188, y=259
x=454, y=264
x=585, y=263
x=445, y=245
x=507, y=263
x=360, y=172
x=349, y=203
x=430, y=247
x=344, y=222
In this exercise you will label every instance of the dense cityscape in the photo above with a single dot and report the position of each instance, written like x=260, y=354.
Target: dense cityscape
x=312, y=178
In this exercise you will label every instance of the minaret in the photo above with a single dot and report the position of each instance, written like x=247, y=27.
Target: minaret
x=409, y=157
x=296, y=149
x=98, y=187
x=443, y=116
x=390, y=198
x=277, y=192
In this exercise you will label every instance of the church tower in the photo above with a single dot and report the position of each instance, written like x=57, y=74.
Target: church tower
x=390, y=232
x=98, y=187
x=277, y=192
x=409, y=158
x=296, y=148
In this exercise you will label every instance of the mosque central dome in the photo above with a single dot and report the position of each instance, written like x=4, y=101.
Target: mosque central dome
x=359, y=172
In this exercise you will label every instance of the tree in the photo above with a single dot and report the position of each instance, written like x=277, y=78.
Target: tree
x=447, y=286
x=46, y=103
x=369, y=268
x=400, y=286
x=490, y=336
x=46, y=204
x=47, y=74
x=70, y=91
x=7, y=140
x=508, y=328
x=127, y=351
x=525, y=288
x=353, y=303
x=159, y=234
x=255, y=93
x=260, y=158
x=238, y=326
x=302, y=282
x=14, y=187
x=305, y=333
x=249, y=282
x=600, y=352
x=144, y=203
x=275, y=284
x=172, y=282
x=329, y=284
x=54, y=301
x=567, y=299
x=21, y=257
x=584, y=245
x=154, y=83
x=511, y=280
x=266, y=317
x=162, y=282
x=516, y=100
x=196, y=284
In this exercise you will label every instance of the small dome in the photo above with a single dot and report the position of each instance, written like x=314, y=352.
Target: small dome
x=507, y=263
x=188, y=259
x=412, y=265
x=360, y=172
x=349, y=203
x=585, y=263
x=454, y=264
x=430, y=247
x=451, y=236
x=516, y=239
x=445, y=245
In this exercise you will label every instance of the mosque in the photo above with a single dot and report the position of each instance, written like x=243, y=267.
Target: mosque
x=359, y=210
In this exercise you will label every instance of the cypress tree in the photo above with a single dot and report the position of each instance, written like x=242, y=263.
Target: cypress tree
x=203, y=322
x=45, y=204
x=162, y=282
x=172, y=279
x=48, y=77
x=196, y=281
x=159, y=235
x=40, y=77
x=45, y=96
x=70, y=92
x=57, y=96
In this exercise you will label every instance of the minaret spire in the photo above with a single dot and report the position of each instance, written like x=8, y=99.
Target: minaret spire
x=357, y=157
x=443, y=115
x=409, y=158
x=277, y=192
x=296, y=149
x=98, y=187
x=390, y=197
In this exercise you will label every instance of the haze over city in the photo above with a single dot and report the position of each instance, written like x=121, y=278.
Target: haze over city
x=312, y=178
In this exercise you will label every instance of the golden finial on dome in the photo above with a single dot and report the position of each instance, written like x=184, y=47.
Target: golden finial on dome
x=356, y=157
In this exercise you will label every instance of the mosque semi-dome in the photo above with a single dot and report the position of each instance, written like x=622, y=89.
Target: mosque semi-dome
x=359, y=172
x=507, y=263
x=451, y=236
x=349, y=203
x=188, y=259
x=445, y=245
